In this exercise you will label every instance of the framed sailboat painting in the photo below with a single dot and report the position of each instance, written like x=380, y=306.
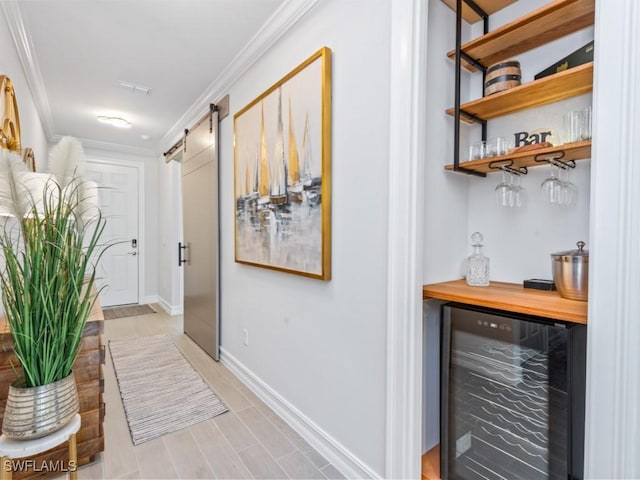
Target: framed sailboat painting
x=282, y=162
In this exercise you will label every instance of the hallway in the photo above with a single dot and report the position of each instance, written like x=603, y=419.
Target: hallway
x=249, y=441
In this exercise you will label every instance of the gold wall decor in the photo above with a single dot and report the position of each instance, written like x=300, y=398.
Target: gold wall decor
x=10, y=129
x=282, y=160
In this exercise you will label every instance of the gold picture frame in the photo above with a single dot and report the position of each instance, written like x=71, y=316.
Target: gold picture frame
x=282, y=173
x=10, y=127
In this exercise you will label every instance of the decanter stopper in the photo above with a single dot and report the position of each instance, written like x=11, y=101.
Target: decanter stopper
x=477, y=264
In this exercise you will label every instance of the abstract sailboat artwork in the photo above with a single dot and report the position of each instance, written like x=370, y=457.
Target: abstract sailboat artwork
x=282, y=160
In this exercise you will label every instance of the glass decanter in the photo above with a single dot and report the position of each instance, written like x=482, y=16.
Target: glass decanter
x=477, y=264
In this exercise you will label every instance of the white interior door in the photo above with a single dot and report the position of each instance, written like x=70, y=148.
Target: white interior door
x=118, y=197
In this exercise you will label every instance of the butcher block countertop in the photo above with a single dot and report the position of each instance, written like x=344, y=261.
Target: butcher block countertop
x=510, y=297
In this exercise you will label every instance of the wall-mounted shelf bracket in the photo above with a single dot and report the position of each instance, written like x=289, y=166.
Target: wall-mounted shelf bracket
x=555, y=158
x=473, y=118
x=506, y=165
x=458, y=61
x=473, y=61
x=469, y=172
x=479, y=10
x=476, y=8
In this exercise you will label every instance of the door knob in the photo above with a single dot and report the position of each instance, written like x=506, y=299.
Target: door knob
x=133, y=253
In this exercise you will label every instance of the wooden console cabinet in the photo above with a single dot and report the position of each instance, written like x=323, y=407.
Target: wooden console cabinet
x=90, y=381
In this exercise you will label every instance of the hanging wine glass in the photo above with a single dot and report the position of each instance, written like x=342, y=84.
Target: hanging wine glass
x=569, y=193
x=503, y=190
x=551, y=187
x=518, y=193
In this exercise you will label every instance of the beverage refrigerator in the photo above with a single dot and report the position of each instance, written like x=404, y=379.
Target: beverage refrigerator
x=512, y=396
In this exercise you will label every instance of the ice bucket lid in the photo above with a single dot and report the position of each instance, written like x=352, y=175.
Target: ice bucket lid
x=572, y=255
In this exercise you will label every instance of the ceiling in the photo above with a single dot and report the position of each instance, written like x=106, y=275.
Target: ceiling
x=77, y=51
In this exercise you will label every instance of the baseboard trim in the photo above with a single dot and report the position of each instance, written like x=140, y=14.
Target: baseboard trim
x=167, y=307
x=339, y=456
x=148, y=300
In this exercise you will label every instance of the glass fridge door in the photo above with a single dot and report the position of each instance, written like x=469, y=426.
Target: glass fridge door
x=505, y=397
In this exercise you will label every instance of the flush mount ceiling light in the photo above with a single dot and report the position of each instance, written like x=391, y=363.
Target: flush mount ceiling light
x=114, y=121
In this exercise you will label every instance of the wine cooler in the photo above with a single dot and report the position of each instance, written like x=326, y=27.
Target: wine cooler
x=512, y=389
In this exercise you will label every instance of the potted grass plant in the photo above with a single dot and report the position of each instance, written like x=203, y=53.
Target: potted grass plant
x=50, y=244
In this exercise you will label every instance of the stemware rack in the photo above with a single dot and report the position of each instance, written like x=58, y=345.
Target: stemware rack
x=552, y=21
x=563, y=156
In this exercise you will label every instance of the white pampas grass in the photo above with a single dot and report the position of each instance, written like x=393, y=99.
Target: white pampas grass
x=67, y=161
x=12, y=172
x=22, y=191
x=67, y=164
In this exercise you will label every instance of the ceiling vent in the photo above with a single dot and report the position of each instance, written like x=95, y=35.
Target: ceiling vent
x=134, y=88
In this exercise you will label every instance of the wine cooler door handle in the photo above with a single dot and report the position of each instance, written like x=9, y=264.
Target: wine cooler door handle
x=181, y=260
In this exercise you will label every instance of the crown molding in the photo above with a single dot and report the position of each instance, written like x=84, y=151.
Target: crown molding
x=27, y=56
x=285, y=17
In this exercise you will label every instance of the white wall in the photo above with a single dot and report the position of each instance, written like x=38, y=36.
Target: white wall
x=148, y=223
x=31, y=131
x=321, y=345
x=32, y=134
x=169, y=202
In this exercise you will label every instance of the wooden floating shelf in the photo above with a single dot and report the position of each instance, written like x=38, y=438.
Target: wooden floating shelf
x=572, y=151
x=550, y=22
x=510, y=297
x=489, y=7
x=559, y=86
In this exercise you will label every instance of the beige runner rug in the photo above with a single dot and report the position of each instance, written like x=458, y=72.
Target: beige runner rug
x=160, y=390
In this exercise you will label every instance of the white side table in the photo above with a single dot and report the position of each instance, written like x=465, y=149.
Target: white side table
x=12, y=449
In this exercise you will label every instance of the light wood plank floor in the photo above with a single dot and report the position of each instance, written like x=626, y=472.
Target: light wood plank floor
x=249, y=441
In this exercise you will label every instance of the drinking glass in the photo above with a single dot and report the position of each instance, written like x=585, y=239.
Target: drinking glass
x=502, y=146
x=586, y=124
x=482, y=146
x=577, y=125
x=476, y=151
x=491, y=147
